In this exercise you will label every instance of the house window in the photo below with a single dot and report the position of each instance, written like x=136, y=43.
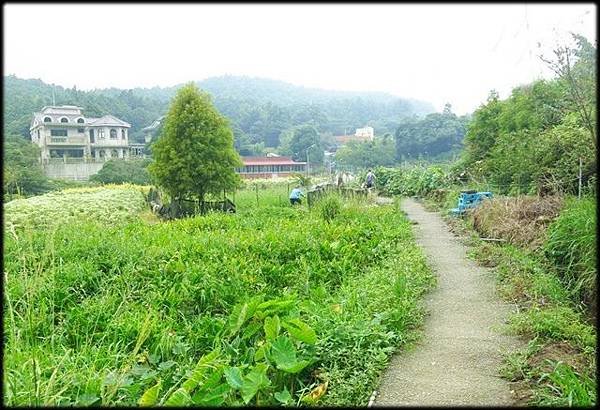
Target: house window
x=80, y=130
x=92, y=136
x=58, y=133
x=47, y=119
x=64, y=119
x=113, y=134
x=122, y=134
x=80, y=121
x=38, y=133
x=101, y=133
x=114, y=153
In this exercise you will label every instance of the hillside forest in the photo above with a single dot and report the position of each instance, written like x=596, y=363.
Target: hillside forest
x=259, y=110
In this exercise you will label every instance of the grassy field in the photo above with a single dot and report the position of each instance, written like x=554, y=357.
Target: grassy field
x=271, y=305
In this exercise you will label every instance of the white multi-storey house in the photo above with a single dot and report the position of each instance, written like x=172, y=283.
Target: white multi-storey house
x=64, y=132
x=366, y=133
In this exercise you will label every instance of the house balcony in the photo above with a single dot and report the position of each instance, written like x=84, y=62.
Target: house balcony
x=110, y=143
x=64, y=124
x=66, y=140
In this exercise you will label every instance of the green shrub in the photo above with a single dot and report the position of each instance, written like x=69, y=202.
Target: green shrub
x=571, y=246
x=118, y=171
x=410, y=181
x=329, y=207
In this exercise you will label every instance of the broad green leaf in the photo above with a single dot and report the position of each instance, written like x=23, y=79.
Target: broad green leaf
x=254, y=381
x=199, y=373
x=150, y=396
x=296, y=367
x=179, y=397
x=238, y=317
x=271, y=307
x=300, y=330
x=241, y=313
x=233, y=375
x=272, y=327
x=213, y=380
x=260, y=353
x=284, y=397
x=251, y=330
x=283, y=352
x=211, y=396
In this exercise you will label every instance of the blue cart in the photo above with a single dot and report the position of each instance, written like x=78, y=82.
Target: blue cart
x=470, y=199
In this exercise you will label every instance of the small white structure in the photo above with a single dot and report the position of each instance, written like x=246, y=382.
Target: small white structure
x=150, y=130
x=366, y=133
x=65, y=134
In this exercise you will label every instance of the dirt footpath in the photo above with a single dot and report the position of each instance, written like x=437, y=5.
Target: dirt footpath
x=457, y=361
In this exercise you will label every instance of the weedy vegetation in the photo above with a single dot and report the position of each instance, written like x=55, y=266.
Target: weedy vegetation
x=273, y=305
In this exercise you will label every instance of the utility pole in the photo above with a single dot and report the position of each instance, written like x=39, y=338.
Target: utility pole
x=308, y=159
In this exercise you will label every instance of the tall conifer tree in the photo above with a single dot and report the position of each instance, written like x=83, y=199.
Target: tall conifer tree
x=195, y=155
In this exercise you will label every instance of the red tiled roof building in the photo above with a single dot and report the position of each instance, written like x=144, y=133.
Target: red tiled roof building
x=269, y=167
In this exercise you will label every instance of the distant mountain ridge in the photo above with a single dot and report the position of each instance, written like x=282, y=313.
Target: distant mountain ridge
x=259, y=109
x=264, y=90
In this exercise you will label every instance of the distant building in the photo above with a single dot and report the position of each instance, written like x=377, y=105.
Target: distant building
x=269, y=167
x=361, y=135
x=63, y=132
x=366, y=132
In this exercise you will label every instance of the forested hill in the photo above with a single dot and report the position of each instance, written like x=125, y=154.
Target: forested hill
x=259, y=109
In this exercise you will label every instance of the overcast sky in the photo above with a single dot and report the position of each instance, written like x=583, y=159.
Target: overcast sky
x=438, y=53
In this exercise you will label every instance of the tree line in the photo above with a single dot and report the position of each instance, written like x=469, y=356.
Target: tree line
x=259, y=110
x=536, y=139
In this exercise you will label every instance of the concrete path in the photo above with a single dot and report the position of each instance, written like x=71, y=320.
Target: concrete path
x=457, y=361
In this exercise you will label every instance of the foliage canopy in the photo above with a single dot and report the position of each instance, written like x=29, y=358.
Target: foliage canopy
x=195, y=155
x=23, y=173
x=120, y=171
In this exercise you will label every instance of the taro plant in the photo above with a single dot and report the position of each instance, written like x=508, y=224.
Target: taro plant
x=261, y=357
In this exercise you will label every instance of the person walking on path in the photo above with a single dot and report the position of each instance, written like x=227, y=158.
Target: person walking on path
x=370, y=180
x=296, y=196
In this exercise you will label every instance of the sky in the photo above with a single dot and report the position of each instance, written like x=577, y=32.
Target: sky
x=439, y=53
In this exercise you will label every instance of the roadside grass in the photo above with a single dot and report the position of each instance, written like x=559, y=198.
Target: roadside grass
x=558, y=366
x=571, y=246
x=101, y=313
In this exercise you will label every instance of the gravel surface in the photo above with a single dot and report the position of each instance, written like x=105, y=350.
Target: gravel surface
x=458, y=359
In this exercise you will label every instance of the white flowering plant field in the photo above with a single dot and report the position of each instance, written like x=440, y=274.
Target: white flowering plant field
x=109, y=204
